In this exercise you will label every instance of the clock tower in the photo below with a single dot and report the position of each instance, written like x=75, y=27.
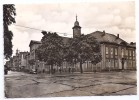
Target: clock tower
x=76, y=29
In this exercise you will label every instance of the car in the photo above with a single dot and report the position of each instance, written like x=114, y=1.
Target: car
x=33, y=71
x=5, y=71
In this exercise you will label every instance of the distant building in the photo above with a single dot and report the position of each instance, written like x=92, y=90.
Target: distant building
x=15, y=63
x=18, y=61
x=32, y=60
x=22, y=60
x=27, y=58
x=33, y=46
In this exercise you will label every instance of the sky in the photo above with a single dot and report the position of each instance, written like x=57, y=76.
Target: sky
x=113, y=17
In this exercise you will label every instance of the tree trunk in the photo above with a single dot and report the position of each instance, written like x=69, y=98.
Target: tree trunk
x=81, y=69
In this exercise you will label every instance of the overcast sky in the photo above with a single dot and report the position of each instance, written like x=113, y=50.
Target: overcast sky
x=113, y=17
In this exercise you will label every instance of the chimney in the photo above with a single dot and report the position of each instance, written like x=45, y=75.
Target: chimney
x=103, y=33
x=131, y=43
x=117, y=36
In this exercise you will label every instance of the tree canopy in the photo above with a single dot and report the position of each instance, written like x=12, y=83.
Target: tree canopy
x=51, y=49
x=8, y=19
x=84, y=48
x=77, y=50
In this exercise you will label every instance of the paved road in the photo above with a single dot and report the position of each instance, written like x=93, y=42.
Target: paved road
x=18, y=84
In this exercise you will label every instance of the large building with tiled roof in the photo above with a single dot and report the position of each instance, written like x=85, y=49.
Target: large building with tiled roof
x=116, y=52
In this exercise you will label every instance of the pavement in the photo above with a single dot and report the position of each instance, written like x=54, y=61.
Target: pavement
x=23, y=85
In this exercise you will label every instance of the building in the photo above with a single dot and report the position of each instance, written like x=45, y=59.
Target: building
x=33, y=46
x=22, y=60
x=32, y=58
x=15, y=63
x=18, y=61
x=116, y=53
x=27, y=58
x=76, y=29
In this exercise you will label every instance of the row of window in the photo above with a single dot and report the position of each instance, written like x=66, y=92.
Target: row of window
x=129, y=54
x=112, y=52
x=111, y=63
x=114, y=63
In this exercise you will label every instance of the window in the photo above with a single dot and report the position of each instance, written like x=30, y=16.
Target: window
x=107, y=51
x=116, y=63
x=111, y=52
x=134, y=64
x=107, y=63
x=116, y=51
x=122, y=52
x=112, y=63
x=133, y=53
x=129, y=52
x=126, y=52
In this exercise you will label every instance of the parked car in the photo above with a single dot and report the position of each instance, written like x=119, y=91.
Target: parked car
x=5, y=70
x=33, y=71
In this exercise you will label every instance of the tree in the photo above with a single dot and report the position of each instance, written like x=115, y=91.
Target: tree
x=77, y=50
x=84, y=48
x=51, y=50
x=8, y=19
x=32, y=62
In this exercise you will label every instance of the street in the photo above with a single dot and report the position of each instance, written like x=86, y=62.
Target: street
x=23, y=85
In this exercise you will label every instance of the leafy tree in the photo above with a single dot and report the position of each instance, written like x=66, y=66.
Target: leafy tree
x=8, y=19
x=84, y=48
x=77, y=50
x=32, y=62
x=51, y=50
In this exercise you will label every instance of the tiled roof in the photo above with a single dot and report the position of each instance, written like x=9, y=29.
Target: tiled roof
x=107, y=37
x=104, y=37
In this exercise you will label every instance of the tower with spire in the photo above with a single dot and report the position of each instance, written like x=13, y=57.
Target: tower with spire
x=17, y=51
x=76, y=29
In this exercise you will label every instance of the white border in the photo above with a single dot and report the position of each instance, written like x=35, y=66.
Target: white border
x=64, y=98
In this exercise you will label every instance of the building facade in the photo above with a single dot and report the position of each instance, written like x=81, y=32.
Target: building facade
x=33, y=63
x=116, y=53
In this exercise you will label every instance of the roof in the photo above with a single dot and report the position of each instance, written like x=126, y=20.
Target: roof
x=104, y=37
x=34, y=42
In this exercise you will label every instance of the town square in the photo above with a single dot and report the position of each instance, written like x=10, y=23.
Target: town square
x=67, y=85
